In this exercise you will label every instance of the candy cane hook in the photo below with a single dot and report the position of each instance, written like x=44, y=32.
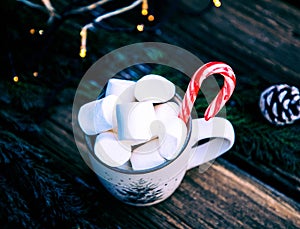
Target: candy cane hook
x=222, y=97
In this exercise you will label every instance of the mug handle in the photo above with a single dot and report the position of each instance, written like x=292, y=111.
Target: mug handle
x=218, y=135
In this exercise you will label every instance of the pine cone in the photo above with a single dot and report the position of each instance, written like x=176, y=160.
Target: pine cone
x=280, y=104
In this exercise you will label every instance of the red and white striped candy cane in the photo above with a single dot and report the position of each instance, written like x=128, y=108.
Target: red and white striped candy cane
x=222, y=97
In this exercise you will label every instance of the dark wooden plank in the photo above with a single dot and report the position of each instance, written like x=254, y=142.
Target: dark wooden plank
x=257, y=37
x=259, y=40
x=222, y=196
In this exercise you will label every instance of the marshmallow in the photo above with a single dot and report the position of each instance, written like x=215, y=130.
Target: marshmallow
x=108, y=149
x=122, y=88
x=127, y=95
x=97, y=116
x=166, y=110
x=134, y=120
x=171, y=133
x=146, y=156
x=154, y=88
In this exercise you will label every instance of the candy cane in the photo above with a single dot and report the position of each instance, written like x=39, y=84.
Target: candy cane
x=222, y=97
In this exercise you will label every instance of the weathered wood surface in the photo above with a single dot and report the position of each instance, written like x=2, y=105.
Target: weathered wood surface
x=259, y=39
x=262, y=38
x=224, y=196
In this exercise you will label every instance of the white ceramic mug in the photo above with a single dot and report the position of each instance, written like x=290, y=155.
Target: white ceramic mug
x=151, y=186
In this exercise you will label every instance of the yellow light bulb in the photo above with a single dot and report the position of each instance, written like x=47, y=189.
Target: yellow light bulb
x=16, y=79
x=140, y=27
x=150, y=18
x=145, y=7
x=144, y=12
x=217, y=3
x=82, y=52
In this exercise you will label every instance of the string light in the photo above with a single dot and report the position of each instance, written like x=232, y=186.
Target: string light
x=83, y=34
x=84, y=29
x=217, y=3
x=16, y=79
x=48, y=8
x=32, y=31
x=140, y=27
x=88, y=7
x=82, y=52
x=150, y=18
x=145, y=8
x=144, y=12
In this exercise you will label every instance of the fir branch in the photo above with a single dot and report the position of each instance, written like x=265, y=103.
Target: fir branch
x=260, y=141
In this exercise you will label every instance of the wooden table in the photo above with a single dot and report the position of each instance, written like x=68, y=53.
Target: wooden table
x=223, y=196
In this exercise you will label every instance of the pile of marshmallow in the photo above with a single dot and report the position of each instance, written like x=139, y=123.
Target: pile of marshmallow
x=136, y=123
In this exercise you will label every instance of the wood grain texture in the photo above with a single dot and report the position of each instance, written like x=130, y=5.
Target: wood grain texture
x=257, y=37
x=221, y=197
